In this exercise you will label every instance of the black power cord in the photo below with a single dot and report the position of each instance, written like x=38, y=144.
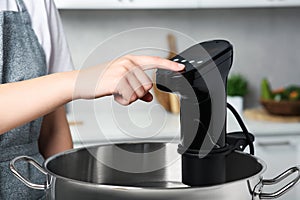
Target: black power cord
x=243, y=127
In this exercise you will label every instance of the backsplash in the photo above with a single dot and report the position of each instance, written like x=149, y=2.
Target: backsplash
x=266, y=41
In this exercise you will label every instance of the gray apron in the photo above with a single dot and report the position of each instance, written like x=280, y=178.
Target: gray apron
x=21, y=58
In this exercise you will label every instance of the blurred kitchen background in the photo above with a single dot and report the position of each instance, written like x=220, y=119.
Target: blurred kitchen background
x=265, y=39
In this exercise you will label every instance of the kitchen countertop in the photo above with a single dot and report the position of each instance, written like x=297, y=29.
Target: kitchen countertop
x=106, y=127
x=95, y=128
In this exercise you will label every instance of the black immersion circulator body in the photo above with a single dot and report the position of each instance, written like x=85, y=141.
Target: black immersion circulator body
x=202, y=89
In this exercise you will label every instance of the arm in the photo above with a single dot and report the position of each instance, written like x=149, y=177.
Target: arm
x=55, y=134
x=25, y=101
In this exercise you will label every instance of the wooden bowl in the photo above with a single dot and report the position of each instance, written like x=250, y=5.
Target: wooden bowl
x=286, y=108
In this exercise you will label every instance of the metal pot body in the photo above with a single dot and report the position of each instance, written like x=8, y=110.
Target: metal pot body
x=64, y=189
x=146, y=171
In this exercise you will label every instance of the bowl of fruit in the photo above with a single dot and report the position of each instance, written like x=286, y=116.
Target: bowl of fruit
x=283, y=101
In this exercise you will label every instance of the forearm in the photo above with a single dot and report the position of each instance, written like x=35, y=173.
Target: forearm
x=24, y=101
x=55, y=134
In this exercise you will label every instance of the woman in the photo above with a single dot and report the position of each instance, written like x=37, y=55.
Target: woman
x=36, y=82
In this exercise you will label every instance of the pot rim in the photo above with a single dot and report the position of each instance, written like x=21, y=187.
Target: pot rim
x=108, y=186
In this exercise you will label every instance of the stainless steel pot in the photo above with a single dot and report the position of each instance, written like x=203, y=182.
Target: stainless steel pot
x=146, y=171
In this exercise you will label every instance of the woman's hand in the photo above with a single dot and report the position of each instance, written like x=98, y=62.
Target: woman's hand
x=124, y=78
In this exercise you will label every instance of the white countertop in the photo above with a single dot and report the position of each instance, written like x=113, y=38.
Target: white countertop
x=106, y=127
x=95, y=128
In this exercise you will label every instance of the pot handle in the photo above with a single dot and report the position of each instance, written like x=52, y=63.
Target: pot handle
x=278, y=179
x=33, y=162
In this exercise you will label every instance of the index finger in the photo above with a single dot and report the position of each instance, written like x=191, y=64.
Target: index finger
x=153, y=62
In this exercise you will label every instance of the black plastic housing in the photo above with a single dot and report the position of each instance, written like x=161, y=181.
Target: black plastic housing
x=202, y=89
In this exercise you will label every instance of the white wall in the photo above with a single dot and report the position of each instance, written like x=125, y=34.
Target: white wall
x=266, y=41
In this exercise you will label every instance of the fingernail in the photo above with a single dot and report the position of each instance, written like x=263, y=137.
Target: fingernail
x=181, y=66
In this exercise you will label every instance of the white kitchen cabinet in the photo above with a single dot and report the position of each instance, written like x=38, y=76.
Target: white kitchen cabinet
x=174, y=4
x=279, y=153
x=247, y=3
x=126, y=4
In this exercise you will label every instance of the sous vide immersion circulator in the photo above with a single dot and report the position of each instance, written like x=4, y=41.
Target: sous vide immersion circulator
x=202, y=89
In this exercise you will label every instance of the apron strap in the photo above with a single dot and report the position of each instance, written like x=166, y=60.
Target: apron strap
x=1, y=45
x=21, y=6
x=23, y=11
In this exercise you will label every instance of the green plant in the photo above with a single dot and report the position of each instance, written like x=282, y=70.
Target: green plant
x=237, y=85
